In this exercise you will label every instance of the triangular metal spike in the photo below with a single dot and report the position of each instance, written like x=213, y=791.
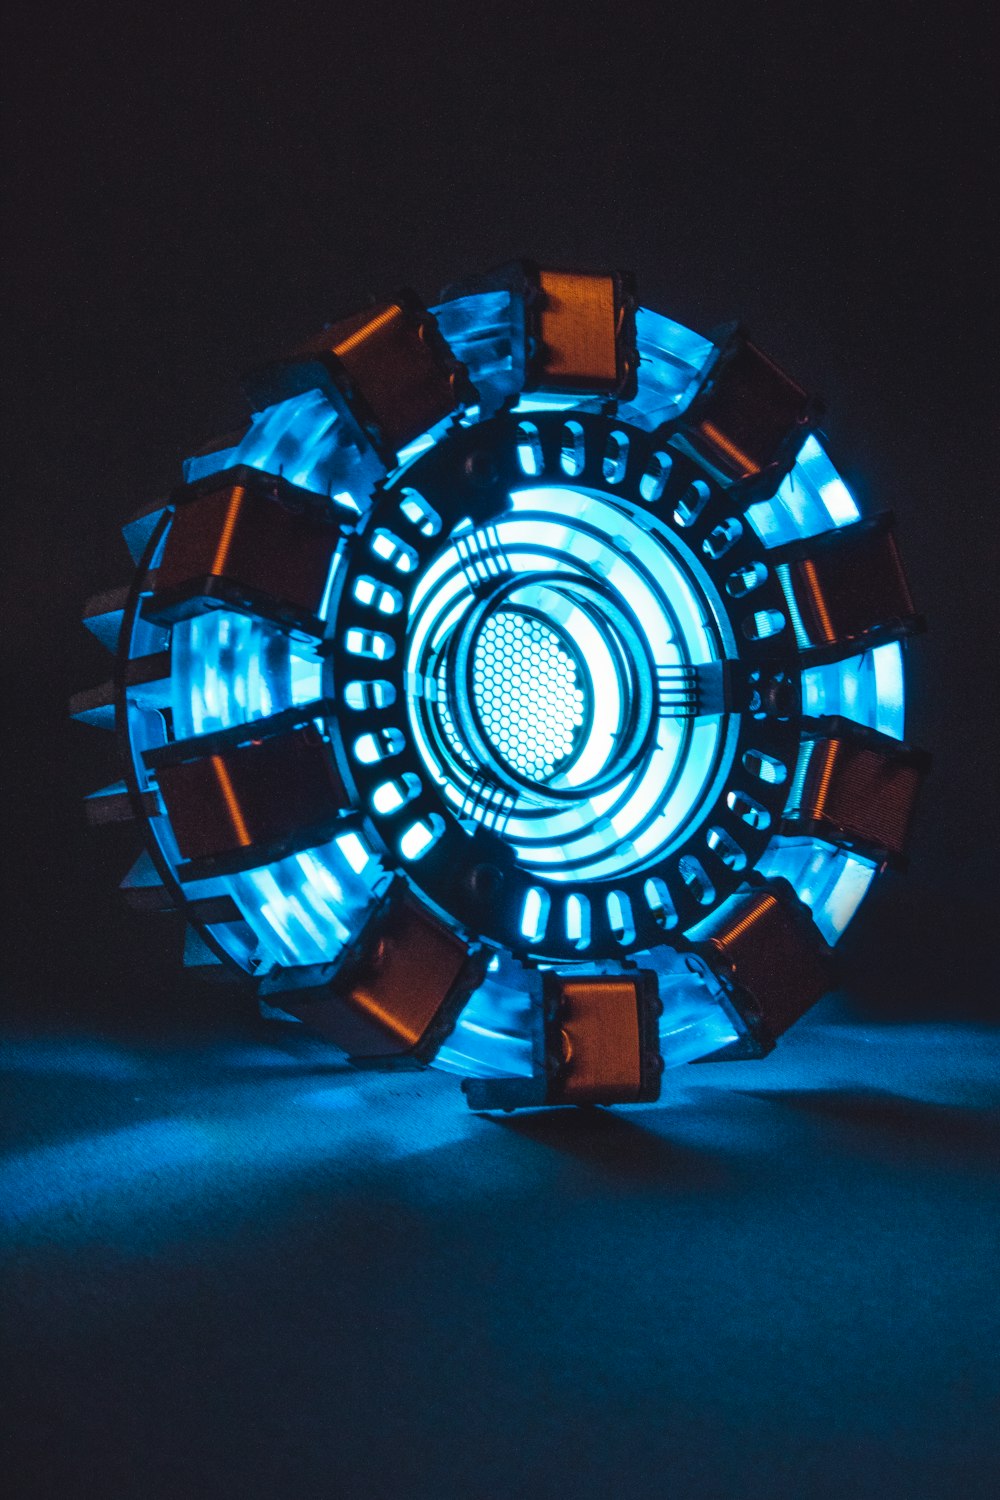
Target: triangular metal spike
x=109, y=804
x=143, y=890
x=103, y=613
x=142, y=873
x=113, y=804
x=95, y=706
x=147, y=679
x=197, y=953
x=138, y=531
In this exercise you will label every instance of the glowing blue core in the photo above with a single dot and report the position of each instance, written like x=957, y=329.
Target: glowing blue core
x=526, y=692
x=555, y=692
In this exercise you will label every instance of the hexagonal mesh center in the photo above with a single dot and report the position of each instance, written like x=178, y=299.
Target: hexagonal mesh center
x=527, y=693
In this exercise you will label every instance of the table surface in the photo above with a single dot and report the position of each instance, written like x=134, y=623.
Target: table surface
x=237, y=1268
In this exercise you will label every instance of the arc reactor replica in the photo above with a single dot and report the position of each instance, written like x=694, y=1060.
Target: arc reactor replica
x=520, y=693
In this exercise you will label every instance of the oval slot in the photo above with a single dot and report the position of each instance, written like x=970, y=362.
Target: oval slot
x=529, y=450
x=420, y=513
x=378, y=596
x=762, y=624
x=572, y=453
x=743, y=581
x=578, y=920
x=697, y=882
x=653, y=481
x=369, y=749
x=752, y=813
x=724, y=847
x=535, y=913
x=662, y=909
x=764, y=767
x=620, y=917
x=387, y=545
x=692, y=503
x=369, y=643
x=658, y=900
x=389, y=796
x=371, y=694
x=616, y=457
x=722, y=537
x=421, y=836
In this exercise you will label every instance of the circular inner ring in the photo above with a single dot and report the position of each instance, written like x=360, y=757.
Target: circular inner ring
x=550, y=623
x=554, y=663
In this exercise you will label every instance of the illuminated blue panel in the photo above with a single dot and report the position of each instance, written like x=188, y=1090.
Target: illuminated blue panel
x=866, y=688
x=306, y=441
x=304, y=908
x=568, y=536
x=548, y=401
x=831, y=881
x=493, y=1036
x=486, y=332
x=671, y=361
x=432, y=436
x=237, y=940
x=694, y=1022
x=204, y=464
x=812, y=498
x=228, y=668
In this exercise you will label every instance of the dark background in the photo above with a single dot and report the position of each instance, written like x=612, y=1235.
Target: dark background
x=193, y=194
x=193, y=190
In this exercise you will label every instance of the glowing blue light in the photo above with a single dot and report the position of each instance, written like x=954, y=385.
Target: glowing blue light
x=304, y=908
x=866, y=688
x=671, y=361
x=486, y=332
x=413, y=450
x=811, y=499
x=695, y=1022
x=526, y=692
x=416, y=840
x=831, y=881
x=492, y=1037
x=355, y=851
x=307, y=442
x=559, y=533
x=228, y=669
